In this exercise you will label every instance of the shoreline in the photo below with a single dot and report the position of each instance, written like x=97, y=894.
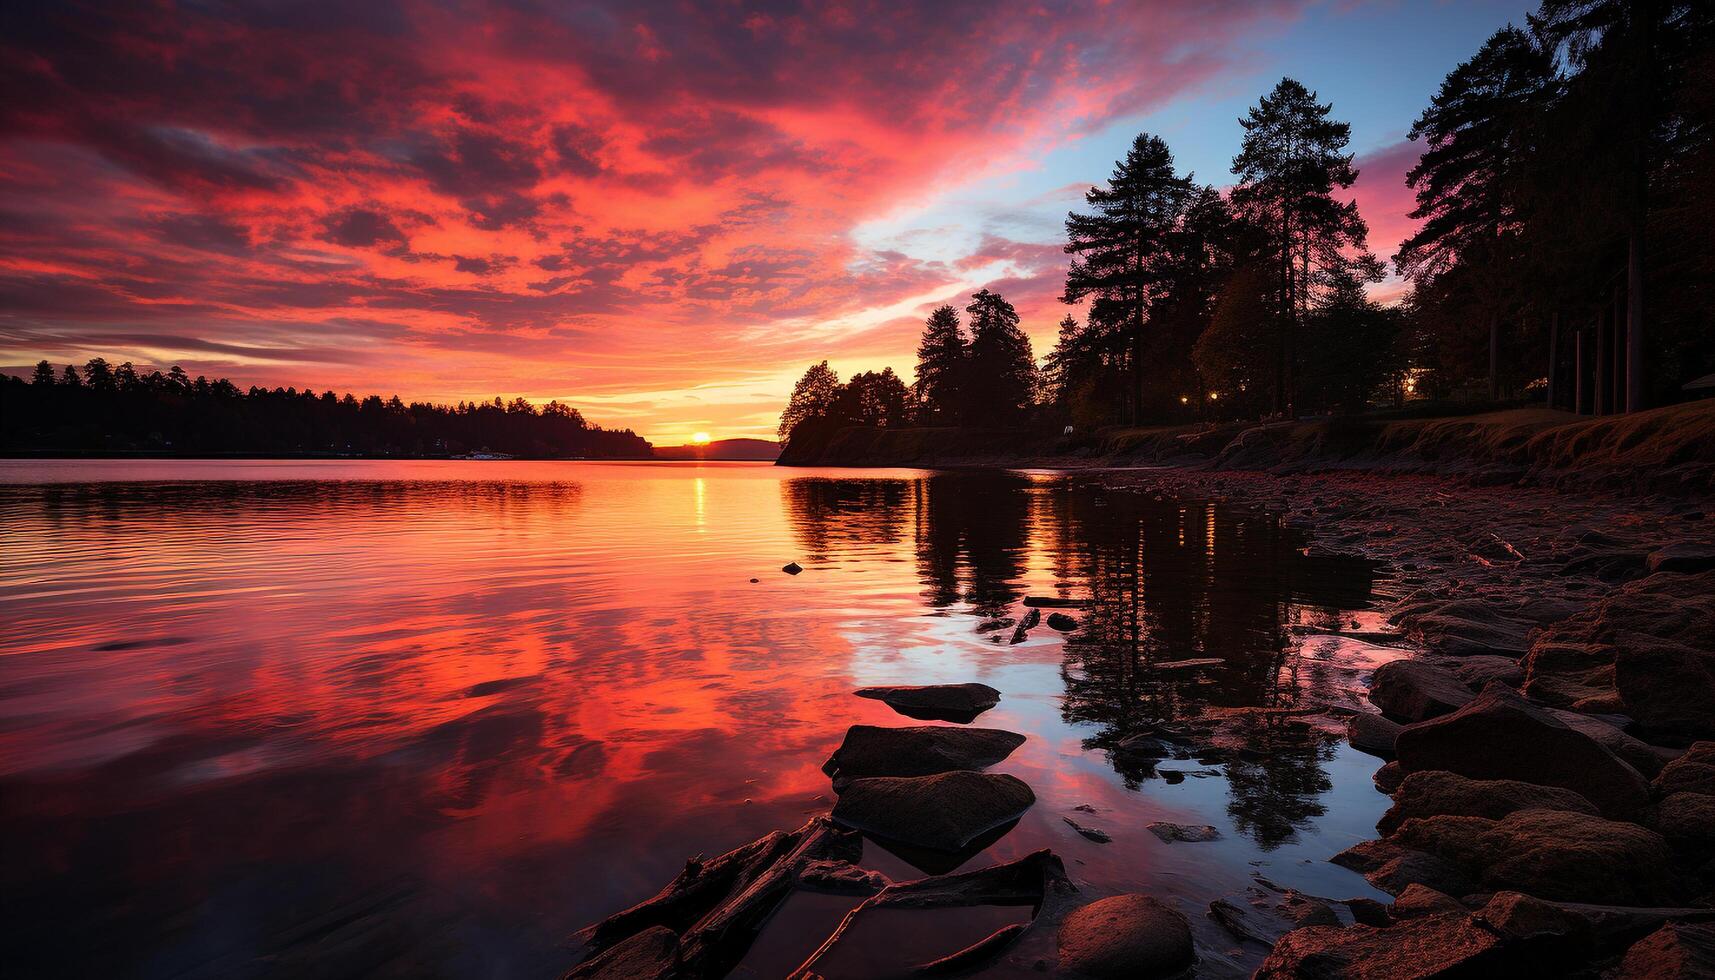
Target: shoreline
x=1486, y=584
x=1666, y=450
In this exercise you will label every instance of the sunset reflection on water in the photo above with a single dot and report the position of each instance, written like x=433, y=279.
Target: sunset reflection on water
x=431, y=717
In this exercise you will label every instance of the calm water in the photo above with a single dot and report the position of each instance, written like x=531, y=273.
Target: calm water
x=429, y=718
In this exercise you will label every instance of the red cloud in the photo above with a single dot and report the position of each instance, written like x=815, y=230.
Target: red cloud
x=552, y=200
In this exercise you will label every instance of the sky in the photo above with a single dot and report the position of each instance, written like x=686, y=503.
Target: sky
x=660, y=213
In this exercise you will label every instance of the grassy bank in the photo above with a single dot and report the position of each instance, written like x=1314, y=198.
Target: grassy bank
x=1662, y=450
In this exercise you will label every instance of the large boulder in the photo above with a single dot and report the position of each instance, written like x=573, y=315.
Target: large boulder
x=1654, y=633
x=1446, y=945
x=936, y=702
x=1500, y=735
x=871, y=751
x=1125, y=936
x=1552, y=854
x=1668, y=687
x=1687, y=819
x=1676, y=951
x=1412, y=690
x=943, y=812
x=1693, y=772
x=1436, y=793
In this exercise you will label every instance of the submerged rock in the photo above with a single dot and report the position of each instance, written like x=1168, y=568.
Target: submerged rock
x=922, y=751
x=792, y=568
x=1500, y=735
x=936, y=702
x=1413, y=690
x=1436, y=793
x=1183, y=832
x=1126, y=936
x=943, y=812
x=1062, y=622
x=1089, y=833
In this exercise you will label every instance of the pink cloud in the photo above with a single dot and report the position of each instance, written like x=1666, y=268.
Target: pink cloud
x=523, y=198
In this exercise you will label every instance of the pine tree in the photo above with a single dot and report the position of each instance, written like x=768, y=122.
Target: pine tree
x=1290, y=163
x=1471, y=183
x=1120, y=247
x=941, y=367
x=44, y=374
x=1002, y=376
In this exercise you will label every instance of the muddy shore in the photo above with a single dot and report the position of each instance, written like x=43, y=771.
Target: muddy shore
x=1548, y=748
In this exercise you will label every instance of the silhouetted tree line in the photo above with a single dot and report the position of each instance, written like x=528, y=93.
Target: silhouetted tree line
x=1552, y=159
x=117, y=409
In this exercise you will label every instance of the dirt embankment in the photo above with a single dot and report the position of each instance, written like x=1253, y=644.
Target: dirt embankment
x=1664, y=450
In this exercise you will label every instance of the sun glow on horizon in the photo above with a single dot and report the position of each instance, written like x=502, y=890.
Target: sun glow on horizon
x=700, y=438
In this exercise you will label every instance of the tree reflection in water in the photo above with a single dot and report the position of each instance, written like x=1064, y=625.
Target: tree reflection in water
x=1163, y=581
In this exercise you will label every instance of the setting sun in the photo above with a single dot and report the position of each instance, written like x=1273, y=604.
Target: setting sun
x=700, y=438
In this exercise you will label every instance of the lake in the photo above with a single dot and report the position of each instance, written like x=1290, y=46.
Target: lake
x=428, y=718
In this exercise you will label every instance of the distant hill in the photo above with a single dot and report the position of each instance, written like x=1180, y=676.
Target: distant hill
x=756, y=449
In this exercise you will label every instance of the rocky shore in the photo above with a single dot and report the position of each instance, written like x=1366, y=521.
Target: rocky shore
x=1549, y=750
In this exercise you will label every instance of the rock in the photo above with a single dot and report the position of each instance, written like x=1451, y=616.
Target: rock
x=1502, y=736
x=1388, y=777
x=943, y=812
x=1372, y=733
x=1668, y=686
x=1413, y=690
x=925, y=751
x=1419, y=900
x=1687, y=818
x=1369, y=912
x=1393, y=868
x=1640, y=755
x=1430, y=946
x=652, y=953
x=1062, y=622
x=1463, y=627
x=1477, y=671
x=936, y=702
x=1127, y=936
x=1525, y=917
x=792, y=568
x=1693, y=772
x=1552, y=854
x=1654, y=633
x=1674, y=952
x=1089, y=833
x=1436, y=793
x=1184, y=833
x=1686, y=557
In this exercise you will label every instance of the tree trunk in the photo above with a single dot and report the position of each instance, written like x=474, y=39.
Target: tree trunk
x=1494, y=357
x=1617, y=358
x=1553, y=355
x=1635, y=323
x=1604, y=345
x=1578, y=373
